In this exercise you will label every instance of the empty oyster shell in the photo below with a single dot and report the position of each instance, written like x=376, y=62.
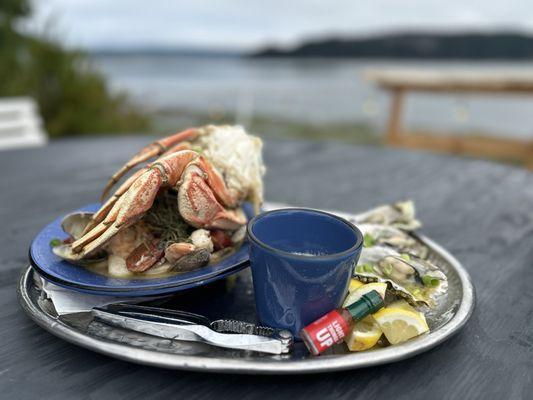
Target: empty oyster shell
x=400, y=215
x=417, y=280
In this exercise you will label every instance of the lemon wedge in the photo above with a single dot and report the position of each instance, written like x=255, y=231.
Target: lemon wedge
x=400, y=325
x=354, y=284
x=356, y=294
x=364, y=335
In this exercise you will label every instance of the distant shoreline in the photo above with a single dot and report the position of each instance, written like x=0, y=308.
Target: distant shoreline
x=415, y=46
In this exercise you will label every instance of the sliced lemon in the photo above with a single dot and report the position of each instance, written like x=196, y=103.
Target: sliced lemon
x=356, y=294
x=364, y=335
x=400, y=325
x=354, y=284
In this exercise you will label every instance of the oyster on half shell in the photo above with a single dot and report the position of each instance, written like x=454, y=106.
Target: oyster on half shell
x=417, y=280
x=400, y=240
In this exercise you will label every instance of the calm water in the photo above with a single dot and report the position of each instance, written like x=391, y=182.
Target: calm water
x=319, y=91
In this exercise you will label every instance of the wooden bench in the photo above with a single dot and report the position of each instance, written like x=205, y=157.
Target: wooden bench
x=399, y=82
x=20, y=123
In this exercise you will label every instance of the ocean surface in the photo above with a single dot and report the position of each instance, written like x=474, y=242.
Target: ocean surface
x=314, y=91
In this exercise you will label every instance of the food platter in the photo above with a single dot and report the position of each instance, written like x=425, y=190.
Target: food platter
x=233, y=298
x=82, y=280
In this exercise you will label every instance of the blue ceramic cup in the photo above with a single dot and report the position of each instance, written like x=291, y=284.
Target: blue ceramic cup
x=301, y=261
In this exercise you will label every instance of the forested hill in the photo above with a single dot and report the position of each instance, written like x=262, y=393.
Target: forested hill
x=460, y=46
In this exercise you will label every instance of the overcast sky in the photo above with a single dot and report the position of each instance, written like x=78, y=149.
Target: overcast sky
x=245, y=24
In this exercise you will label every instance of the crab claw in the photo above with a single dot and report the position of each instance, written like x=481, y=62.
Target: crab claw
x=199, y=206
x=154, y=149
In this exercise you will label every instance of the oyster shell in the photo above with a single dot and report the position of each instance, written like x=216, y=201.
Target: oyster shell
x=386, y=235
x=417, y=280
x=400, y=215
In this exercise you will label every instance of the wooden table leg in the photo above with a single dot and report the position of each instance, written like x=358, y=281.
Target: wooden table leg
x=394, y=125
x=528, y=162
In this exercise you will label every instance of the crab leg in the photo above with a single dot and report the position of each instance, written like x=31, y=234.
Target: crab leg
x=155, y=149
x=199, y=187
x=135, y=201
x=108, y=205
x=102, y=212
x=133, y=204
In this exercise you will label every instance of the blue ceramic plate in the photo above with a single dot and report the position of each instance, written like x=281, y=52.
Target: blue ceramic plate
x=77, y=278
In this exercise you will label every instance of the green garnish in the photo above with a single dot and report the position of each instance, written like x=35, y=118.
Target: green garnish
x=406, y=257
x=430, y=281
x=165, y=222
x=368, y=268
x=387, y=269
x=55, y=242
x=364, y=268
x=369, y=241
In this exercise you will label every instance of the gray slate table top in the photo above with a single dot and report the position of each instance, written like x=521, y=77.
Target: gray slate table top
x=481, y=212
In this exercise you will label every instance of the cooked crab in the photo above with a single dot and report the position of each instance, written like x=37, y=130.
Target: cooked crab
x=208, y=172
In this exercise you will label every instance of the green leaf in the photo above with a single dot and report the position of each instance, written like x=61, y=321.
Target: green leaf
x=369, y=241
x=430, y=281
x=368, y=268
x=55, y=242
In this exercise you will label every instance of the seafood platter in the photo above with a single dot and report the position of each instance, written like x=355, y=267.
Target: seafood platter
x=190, y=261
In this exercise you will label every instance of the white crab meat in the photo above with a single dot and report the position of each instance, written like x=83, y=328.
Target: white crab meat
x=229, y=148
x=201, y=239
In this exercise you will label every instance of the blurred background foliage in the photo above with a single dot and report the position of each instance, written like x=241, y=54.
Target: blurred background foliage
x=73, y=97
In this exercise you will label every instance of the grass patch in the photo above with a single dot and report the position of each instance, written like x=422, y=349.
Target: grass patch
x=166, y=121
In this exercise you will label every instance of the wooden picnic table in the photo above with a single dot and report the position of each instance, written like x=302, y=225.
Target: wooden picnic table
x=400, y=82
x=482, y=212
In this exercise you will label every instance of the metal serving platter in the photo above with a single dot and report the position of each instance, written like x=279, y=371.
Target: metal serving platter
x=233, y=298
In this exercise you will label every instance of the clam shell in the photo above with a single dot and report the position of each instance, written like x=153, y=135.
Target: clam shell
x=64, y=251
x=192, y=261
x=75, y=223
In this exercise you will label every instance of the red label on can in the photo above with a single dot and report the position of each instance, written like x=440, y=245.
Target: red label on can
x=326, y=331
